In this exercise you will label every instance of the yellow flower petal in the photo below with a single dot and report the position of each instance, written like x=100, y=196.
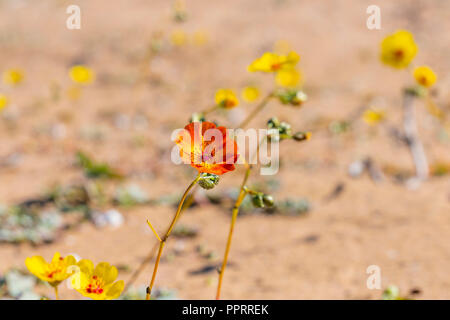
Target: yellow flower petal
x=97, y=283
x=107, y=272
x=54, y=272
x=398, y=49
x=115, y=290
x=4, y=101
x=272, y=62
x=13, y=77
x=81, y=74
x=226, y=98
x=36, y=265
x=288, y=78
x=425, y=76
x=373, y=116
x=178, y=38
x=86, y=266
x=250, y=94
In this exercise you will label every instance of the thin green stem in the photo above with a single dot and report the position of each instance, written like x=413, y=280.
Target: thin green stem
x=242, y=194
x=255, y=111
x=187, y=203
x=56, y=292
x=211, y=109
x=167, y=234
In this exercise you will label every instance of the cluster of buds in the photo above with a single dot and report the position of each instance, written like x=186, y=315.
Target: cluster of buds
x=208, y=180
x=292, y=97
x=284, y=128
x=285, y=132
x=260, y=199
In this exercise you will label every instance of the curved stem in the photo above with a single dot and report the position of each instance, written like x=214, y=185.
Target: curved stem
x=167, y=234
x=255, y=111
x=211, y=109
x=242, y=194
x=187, y=203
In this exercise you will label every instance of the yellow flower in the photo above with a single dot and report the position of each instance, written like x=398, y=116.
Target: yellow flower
x=178, y=38
x=226, y=98
x=200, y=38
x=288, y=78
x=4, y=101
x=81, y=74
x=272, y=62
x=373, y=116
x=97, y=283
x=398, y=49
x=250, y=94
x=53, y=272
x=13, y=77
x=425, y=76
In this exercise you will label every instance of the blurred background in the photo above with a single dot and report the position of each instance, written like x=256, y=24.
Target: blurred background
x=83, y=166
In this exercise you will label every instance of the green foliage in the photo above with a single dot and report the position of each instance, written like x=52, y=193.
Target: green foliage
x=392, y=293
x=16, y=285
x=131, y=195
x=20, y=224
x=94, y=169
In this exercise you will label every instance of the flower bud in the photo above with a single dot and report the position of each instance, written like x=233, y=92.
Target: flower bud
x=268, y=200
x=301, y=136
x=257, y=200
x=273, y=123
x=300, y=97
x=292, y=97
x=283, y=128
x=208, y=180
x=197, y=117
x=261, y=200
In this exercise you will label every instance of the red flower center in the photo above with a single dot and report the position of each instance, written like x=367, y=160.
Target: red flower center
x=95, y=286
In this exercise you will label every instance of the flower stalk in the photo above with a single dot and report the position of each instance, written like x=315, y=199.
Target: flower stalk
x=257, y=110
x=162, y=241
x=235, y=212
x=412, y=137
x=242, y=193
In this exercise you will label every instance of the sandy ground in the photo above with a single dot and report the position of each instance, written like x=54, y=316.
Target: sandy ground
x=323, y=255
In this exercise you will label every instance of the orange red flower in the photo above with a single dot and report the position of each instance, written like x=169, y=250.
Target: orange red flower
x=207, y=148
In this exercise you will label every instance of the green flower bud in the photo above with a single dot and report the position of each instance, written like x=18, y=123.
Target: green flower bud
x=257, y=200
x=292, y=97
x=299, y=98
x=268, y=200
x=273, y=123
x=261, y=200
x=197, y=117
x=283, y=128
x=208, y=181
